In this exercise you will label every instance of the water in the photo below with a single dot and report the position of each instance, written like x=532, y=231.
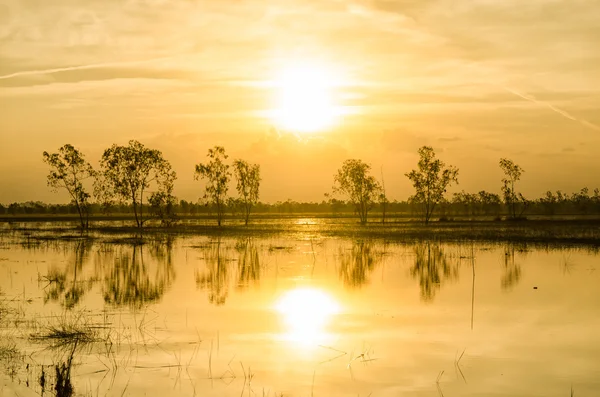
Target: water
x=301, y=315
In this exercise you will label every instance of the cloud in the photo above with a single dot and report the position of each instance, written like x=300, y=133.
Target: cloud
x=419, y=72
x=81, y=67
x=450, y=139
x=562, y=112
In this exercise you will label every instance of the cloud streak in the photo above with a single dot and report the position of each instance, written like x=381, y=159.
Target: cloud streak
x=80, y=67
x=562, y=112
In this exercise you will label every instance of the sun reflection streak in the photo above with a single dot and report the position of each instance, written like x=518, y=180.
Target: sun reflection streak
x=306, y=313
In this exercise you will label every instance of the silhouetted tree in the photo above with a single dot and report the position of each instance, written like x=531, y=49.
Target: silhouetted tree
x=549, y=203
x=162, y=203
x=13, y=208
x=361, y=189
x=430, y=181
x=512, y=174
x=68, y=170
x=465, y=201
x=128, y=171
x=582, y=200
x=217, y=174
x=248, y=184
x=235, y=206
x=490, y=202
x=383, y=198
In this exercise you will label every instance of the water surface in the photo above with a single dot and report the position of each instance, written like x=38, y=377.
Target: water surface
x=301, y=315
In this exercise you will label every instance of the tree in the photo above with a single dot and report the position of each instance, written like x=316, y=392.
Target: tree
x=235, y=206
x=512, y=174
x=162, y=204
x=129, y=171
x=383, y=198
x=13, y=208
x=68, y=170
x=582, y=200
x=430, y=181
x=549, y=203
x=248, y=184
x=217, y=174
x=465, y=201
x=490, y=202
x=361, y=189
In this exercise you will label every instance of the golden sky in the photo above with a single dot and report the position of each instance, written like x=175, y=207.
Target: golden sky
x=475, y=79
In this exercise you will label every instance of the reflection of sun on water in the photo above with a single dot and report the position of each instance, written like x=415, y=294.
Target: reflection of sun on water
x=306, y=312
x=306, y=221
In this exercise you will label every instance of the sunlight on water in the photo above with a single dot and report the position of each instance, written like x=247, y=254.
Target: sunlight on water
x=299, y=315
x=306, y=221
x=306, y=312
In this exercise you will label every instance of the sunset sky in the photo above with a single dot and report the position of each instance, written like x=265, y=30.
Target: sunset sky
x=476, y=79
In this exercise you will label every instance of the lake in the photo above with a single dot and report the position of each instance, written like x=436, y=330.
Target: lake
x=301, y=314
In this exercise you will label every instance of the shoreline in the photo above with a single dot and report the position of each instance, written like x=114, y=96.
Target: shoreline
x=540, y=231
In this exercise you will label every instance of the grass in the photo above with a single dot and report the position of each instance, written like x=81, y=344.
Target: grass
x=585, y=231
x=8, y=350
x=12, y=313
x=68, y=329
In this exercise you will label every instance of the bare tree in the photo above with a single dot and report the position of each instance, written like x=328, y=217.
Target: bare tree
x=512, y=174
x=248, y=184
x=361, y=189
x=383, y=198
x=68, y=170
x=129, y=171
x=217, y=174
x=430, y=181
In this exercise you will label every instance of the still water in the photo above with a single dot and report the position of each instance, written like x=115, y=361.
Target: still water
x=301, y=315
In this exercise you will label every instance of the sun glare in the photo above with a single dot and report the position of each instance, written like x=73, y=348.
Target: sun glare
x=305, y=100
x=306, y=312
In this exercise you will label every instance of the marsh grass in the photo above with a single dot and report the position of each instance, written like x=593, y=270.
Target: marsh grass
x=12, y=312
x=8, y=350
x=68, y=329
x=535, y=230
x=10, y=357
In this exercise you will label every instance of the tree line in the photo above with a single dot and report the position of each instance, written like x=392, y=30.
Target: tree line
x=460, y=204
x=135, y=175
x=430, y=179
x=132, y=178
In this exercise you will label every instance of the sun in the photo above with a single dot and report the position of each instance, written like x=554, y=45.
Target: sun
x=305, y=99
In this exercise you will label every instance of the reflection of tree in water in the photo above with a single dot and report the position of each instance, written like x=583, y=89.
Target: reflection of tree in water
x=215, y=277
x=512, y=269
x=64, y=285
x=162, y=249
x=357, y=263
x=132, y=280
x=248, y=263
x=432, y=268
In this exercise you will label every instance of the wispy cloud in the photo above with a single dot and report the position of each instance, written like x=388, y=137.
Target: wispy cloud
x=550, y=106
x=81, y=67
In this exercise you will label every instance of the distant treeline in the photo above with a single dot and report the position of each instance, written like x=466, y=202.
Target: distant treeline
x=135, y=180
x=584, y=202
